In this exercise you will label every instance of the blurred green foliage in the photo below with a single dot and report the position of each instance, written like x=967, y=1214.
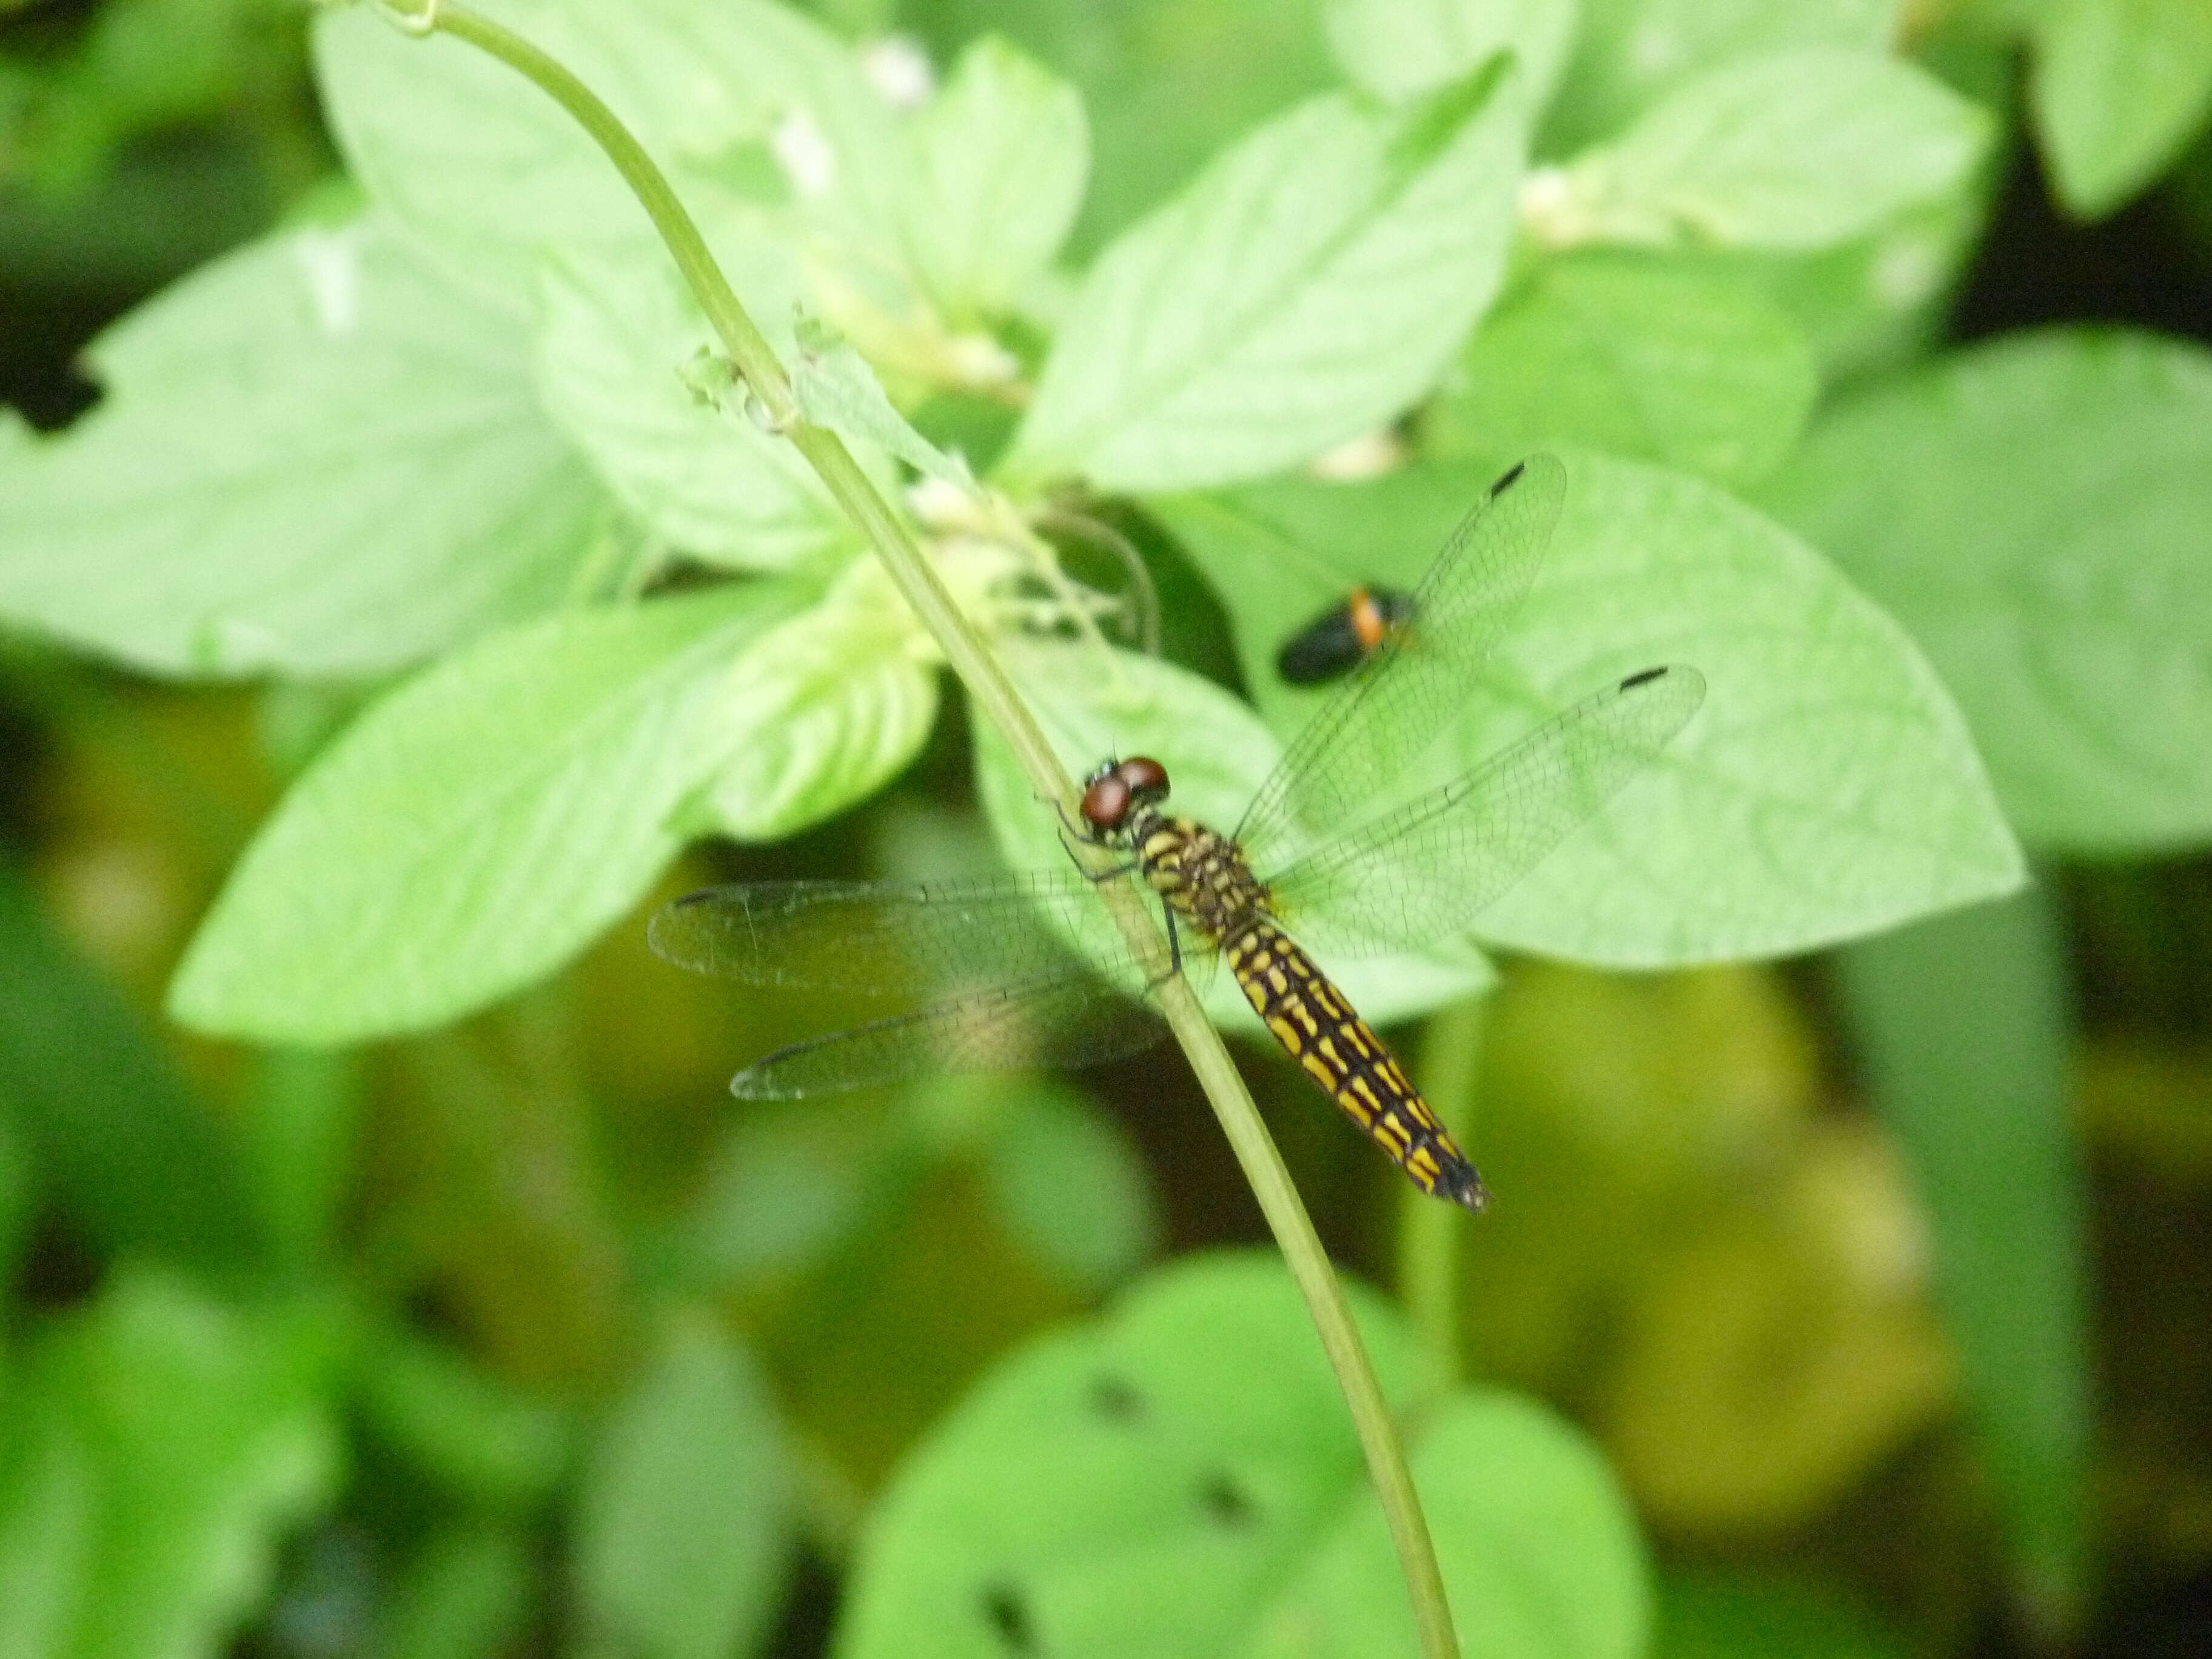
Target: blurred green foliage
x=387, y=1273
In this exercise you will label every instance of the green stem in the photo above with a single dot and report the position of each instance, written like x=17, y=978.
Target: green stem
x=993, y=694
x=1428, y=1236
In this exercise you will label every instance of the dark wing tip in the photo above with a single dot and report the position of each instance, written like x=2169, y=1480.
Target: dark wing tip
x=1644, y=677
x=1508, y=478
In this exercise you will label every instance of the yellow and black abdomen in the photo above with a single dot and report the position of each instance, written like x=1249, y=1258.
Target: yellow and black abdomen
x=1310, y=1018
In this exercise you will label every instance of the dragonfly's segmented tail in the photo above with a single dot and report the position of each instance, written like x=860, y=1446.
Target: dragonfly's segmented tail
x=1313, y=1021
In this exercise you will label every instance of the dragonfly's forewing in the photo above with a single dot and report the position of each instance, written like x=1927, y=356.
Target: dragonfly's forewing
x=1070, y=1019
x=896, y=937
x=1368, y=736
x=1424, y=870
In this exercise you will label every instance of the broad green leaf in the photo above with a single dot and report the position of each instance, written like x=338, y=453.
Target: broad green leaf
x=1967, y=1031
x=741, y=101
x=1628, y=52
x=1179, y=1479
x=2033, y=511
x=1788, y=150
x=1309, y=286
x=1070, y=1186
x=1165, y=83
x=833, y=387
x=142, y=1166
x=2119, y=88
x=1637, y=355
x=1218, y=755
x=1876, y=300
x=995, y=166
x=1827, y=789
x=1398, y=48
x=682, y=1524
x=171, y=1442
x=832, y=703
x=315, y=456
x=615, y=341
x=477, y=826
x=1741, y=1616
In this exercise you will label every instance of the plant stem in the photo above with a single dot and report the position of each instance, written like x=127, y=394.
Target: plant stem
x=993, y=694
x=1429, y=1238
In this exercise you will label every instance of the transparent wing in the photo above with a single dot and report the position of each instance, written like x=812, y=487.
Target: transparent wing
x=1424, y=871
x=891, y=935
x=1404, y=696
x=1068, y=1019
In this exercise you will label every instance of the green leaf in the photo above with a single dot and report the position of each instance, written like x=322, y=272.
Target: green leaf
x=475, y=827
x=616, y=337
x=1628, y=52
x=475, y=1436
x=1788, y=150
x=1179, y=1479
x=1165, y=83
x=487, y=172
x=833, y=387
x=1638, y=355
x=1309, y=286
x=832, y=704
x=2119, y=88
x=1751, y=1617
x=1399, y=48
x=996, y=165
x=19, y=1195
x=1071, y=1187
x=316, y=456
x=1218, y=755
x=468, y=1592
x=1967, y=1031
x=1827, y=788
x=1875, y=300
x=165, y=1444
x=2033, y=511
x=142, y=1166
x=682, y=1525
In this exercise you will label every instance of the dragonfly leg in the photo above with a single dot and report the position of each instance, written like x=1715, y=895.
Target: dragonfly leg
x=1175, y=946
x=1095, y=876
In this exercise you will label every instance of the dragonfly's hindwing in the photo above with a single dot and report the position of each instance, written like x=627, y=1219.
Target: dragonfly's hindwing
x=1310, y=1018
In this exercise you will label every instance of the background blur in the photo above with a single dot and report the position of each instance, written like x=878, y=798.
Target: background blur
x=375, y=1324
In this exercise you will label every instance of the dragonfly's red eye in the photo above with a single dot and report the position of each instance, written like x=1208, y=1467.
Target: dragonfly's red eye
x=1143, y=774
x=1106, y=802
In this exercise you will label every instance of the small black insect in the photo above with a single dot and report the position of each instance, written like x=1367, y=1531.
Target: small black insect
x=1343, y=636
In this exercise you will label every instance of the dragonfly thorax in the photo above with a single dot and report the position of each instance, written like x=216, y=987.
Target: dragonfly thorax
x=1202, y=875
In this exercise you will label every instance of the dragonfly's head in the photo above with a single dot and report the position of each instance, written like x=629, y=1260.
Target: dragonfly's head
x=1119, y=787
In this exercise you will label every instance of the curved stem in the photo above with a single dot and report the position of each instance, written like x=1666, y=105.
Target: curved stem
x=993, y=694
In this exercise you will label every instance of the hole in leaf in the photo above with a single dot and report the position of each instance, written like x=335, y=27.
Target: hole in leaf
x=1116, y=1400
x=1010, y=1618
x=1227, y=1504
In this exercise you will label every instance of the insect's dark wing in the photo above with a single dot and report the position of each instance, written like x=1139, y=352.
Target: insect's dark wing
x=891, y=935
x=1406, y=695
x=1424, y=871
x=1069, y=1019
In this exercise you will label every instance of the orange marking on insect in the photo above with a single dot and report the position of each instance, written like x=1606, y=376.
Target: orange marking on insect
x=1368, y=625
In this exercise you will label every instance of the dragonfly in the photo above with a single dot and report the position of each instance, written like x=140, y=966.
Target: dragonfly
x=1352, y=868
x=1343, y=636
